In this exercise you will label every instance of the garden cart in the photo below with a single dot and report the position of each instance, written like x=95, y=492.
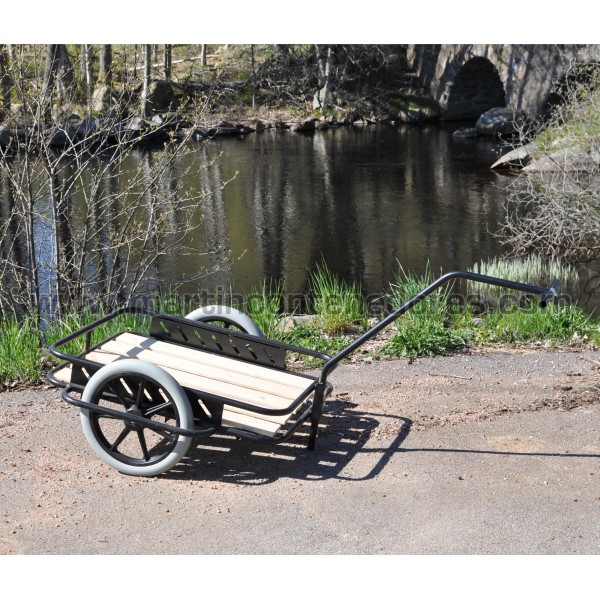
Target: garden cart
x=144, y=397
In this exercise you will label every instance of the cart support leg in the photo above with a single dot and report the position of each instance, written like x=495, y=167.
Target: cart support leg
x=317, y=410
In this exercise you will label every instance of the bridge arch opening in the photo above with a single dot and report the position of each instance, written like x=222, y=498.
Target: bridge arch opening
x=476, y=88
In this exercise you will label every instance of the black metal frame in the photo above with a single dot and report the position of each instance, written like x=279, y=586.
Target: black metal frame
x=248, y=348
x=181, y=331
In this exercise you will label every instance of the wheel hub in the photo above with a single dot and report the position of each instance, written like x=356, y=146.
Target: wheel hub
x=132, y=424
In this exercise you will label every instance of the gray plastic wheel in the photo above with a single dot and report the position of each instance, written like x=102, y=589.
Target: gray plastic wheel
x=225, y=316
x=140, y=388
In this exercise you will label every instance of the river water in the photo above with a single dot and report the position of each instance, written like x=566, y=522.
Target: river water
x=362, y=199
x=272, y=206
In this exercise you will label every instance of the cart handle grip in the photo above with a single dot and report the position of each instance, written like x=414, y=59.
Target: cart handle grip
x=551, y=293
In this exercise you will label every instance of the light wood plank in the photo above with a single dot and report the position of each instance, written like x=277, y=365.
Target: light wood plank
x=222, y=362
x=219, y=375
x=202, y=384
x=210, y=372
x=248, y=422
x=64, y=374
x=188, y=381
x=240, y=420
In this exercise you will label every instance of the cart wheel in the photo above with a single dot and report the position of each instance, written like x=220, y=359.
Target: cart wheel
x=225, y=316
x=139, y=388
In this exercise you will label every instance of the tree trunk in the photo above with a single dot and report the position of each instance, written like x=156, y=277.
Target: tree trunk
x=147, y=72
x=58, y=74
x=85, y=70
x=168, y=61
x=322, y=98
x=105, y=71
x=5, y=82
x=49, y=82
x=50, y=69
x=65, y=79
x=203, y=55
x=253, y=77
x=135, y=61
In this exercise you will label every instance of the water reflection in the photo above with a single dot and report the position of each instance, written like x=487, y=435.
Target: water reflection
x=359, y=198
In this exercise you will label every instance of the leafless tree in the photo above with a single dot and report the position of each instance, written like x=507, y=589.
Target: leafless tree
x=5, y=82
x=553, y=206
x=58, y=73
x=325, y=59
x=88, y=214
x=105, y=64
x=85, y=70
x=147, y=74
x=168, y=61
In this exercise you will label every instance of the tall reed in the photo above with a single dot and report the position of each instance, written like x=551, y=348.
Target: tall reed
x=530, y=269
x=264, y=306
x=339, y=305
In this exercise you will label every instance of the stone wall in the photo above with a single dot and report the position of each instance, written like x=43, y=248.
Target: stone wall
x=464, y=78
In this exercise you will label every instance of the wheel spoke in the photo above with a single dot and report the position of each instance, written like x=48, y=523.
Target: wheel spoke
x=166, y=434
x=146, y=403
x=140, y=394
x=125, y=402
x=142, y=439
x=155, y=409
x=120, y=439
x=111, y=417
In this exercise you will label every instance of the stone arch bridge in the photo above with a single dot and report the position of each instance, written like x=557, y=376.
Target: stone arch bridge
x=468, y=79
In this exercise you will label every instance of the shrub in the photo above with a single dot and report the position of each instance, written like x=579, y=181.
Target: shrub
x=423, y=329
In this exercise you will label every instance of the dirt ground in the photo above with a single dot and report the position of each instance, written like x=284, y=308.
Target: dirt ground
x=486, y=453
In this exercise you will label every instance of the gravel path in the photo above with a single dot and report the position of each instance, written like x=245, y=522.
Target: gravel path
x=484, y=453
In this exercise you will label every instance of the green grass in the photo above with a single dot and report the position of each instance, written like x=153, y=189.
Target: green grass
x=552, y=325
x=58, y=329
x=576, y=121
x=427, y=338
x=263, y=304
x=20, y=351
x=408, y=285
x=432, y=327
x=339, y=305
x=424, y=329
x=312, y=338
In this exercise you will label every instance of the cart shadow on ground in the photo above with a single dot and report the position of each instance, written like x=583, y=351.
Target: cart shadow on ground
x=344, y=434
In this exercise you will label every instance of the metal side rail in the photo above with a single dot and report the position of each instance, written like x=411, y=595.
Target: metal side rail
x=109, y=412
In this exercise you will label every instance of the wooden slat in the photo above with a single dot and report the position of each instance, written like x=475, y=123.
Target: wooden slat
x=202, y=384
x=213, y=374
x=241, y=420
x=64, y=374
x=249, y=422
x=197, y=368
x=224, y=363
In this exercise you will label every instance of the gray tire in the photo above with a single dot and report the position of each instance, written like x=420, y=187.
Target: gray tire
x=225, y=316
x=133, y=386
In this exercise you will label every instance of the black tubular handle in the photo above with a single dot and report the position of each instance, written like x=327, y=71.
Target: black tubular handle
x=546, y=294
x=550, y=293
